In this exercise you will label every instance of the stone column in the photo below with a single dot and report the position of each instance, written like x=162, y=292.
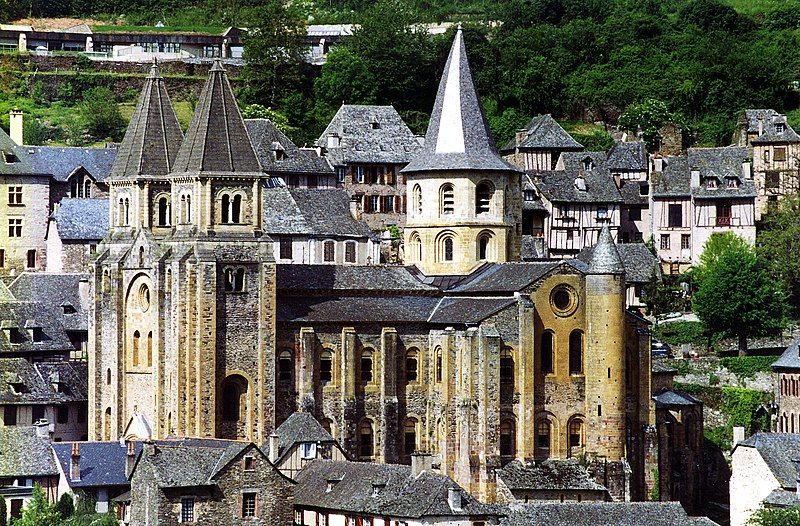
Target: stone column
x=347, y=372
x=307, y=373
x=388, y=383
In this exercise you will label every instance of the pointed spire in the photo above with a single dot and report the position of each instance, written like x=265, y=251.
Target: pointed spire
x=605, y=257
x=153, y=136
x=458, y=136
x=217, y=139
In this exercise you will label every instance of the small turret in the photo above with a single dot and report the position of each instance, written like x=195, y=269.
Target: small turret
x=605, y=256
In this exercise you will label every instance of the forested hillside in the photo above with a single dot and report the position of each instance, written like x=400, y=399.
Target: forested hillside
x=694, y=62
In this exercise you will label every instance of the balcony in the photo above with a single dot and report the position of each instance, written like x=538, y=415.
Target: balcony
x=724, y=221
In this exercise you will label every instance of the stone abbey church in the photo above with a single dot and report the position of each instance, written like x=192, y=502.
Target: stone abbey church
x=466, y=354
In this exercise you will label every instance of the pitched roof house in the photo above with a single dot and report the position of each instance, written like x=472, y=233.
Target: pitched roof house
x=539, y=145
x=25, y=460
x=553, y=479
x=299, y=440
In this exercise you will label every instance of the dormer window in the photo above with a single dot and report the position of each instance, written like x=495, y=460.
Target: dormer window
x=588, y=164
x=308, y=450
x=580, y=184
x=780, y=127
x=278, y=152
x=530, y=195
x=377, y=487
x=711, y=184
x=10, y=157
x=375, y=124
x=644, y=189
x=16, y=384
x=733, y=182
x=66, y=308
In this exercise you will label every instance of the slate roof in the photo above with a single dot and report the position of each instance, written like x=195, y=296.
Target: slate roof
x=671, y=398
x=559, y=186
x=392, y=142
x=627, y=157
x=14, y=159
x=782, y=498
x=401, y=494
x=790, y=359
x=551, y=474
x=495, y=278
x=53, y=292
x=631, y=192
x=343, y=278
x=102, y=463
x=659, y=367
x=20, y=383
x=601, y=514
x=336, y=309
x=82, y=219
x=186, y=463
x=458, y=135
x=544, y=133
x=638, y=261
x=769, y=118
x=319, y=212
x=267, y=139
x=23, y=454
x=298, y=428
x=61, y=162
x=153, y=136
x=674, y=180
x=605, y=257
x=722, y=164
x=464, y=311
x=217, y=139
x=780, y=452
x=50, y=334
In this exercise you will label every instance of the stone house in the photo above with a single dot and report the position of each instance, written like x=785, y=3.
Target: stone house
x=367, y=147
x=775, y=150
x=77, y=173
x=206, y=481
x=299, y=440
x=640, y=267
x=601, y=514
x=786, y=371
x=75, y=229
x=25, y=460
x=539, y=144
x=347, y=493
x=764, y=472
x=628, y=164
x=550, y=480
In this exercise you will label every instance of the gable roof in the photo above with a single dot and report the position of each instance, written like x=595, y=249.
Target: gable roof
x=721, y=164
x=356, y=309
x=82, y=219
x=52, y=292
x=674, y=179
x=511, y=277
x=458, y=135
x=600, y=514
x=399, y=493
x=217, y=139
x=391, y=142
x=102, y=464
x=298, y=428
x=671, y=398
x=153, y=136
x=790, y=359
x=349, y=278
x=627, y=156
x=267, y=139
x=638, y=261
x=781, y=453
x=552, y=474
x=183, y=463
x=559, y=186
x=61, y=161
x=543, y=132
x=24, y=454
x=320, y=211
x=14, y=159
x=769, y=118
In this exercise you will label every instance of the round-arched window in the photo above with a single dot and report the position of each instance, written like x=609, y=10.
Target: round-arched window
x=144, y=297
x=564, y=300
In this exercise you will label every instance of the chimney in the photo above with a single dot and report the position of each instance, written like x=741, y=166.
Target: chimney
x=695, y=181
x=75, y=462
x=658, y=163
x=747, y=170
x=130, y=459
x=520, y=136
x=42, y=428
x=16, y=121
x=83, y=293
x=274, y=441
x=421, y=462
x=355, y=207
x=454, y=499
x=333, y=141
x=738, y=434
x=760, y=125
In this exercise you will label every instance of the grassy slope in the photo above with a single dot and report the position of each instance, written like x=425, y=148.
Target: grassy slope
x=750, y=7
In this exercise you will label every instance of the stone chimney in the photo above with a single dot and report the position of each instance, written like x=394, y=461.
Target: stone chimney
x=421, y=462
x=760, y=125
x=454, y=499
x=83, y=293
x=520, y=136
x=274, y=443
x=747, y=170
x=16, y=126
x=333, y=141
x=130, y=458
x=695, y=179
x=738, y=434
x=658, y=163
x=42, y=428
x=355, y=207
x=75, y=463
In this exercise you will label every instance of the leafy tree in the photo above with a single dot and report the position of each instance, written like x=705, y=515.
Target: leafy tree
x=736, y=295
x=257, y=111
x=39, y=511
x=775, y=517
x=661, y=295
x=778, y=242
x=101, y=114
x=648, y=116
x=65, y=506
x=3, y=513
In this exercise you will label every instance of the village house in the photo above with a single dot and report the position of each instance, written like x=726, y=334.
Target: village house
x=628, y=164
x=786, y=376
x=75, y=229
x=549, y=480
x=641, y=265
x=368, y=146
x=539, y=145
x=26, y=460
x=300, y=439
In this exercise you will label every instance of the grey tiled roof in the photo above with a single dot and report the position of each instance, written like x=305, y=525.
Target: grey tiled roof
x=102, y=464
x=559, y=186
x=458, y=135
x=217, y=139
x=54, y=291
x=61, y=162
x=344, y=278
x=543, y=132
x=601, y=514
x=267, y=139
x=722, y=164
x=23, y=454
x=551, y=474
x=780, y=451
x=769, y=118
x=631, y=192
x=468, y=310
x=399, y=495
x=605, y=257
x=637, y=259
x=782, y=498
x=659, y=367
x=674, y=180
x=50, y=335
x=511, y=277
x=82, y=219
x=399, y=309
x=321, y=212
x=627, y=157
x=672, y=398
x=14, y=159
x=22, y=383
x=153, y=136
x=790, y=359
x=300, y=427
x=186, y=463
x=391, y=142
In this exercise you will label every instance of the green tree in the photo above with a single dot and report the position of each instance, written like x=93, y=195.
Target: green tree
x=661, y=295
x=39, y=511
x=101, y=114
x=775, y=517
x=648, y=116
x=778, y=242
x=65, y=506
x=257, y=111
x=3, y=513
x=736, y=295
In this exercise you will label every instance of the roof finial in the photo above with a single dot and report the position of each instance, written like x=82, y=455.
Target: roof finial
x=217, y=65
x=153, y=69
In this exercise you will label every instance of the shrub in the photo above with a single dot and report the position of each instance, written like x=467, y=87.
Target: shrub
x=748, y=366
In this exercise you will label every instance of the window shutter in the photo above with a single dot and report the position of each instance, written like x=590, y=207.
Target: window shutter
x=239, y=506
x=258, y=505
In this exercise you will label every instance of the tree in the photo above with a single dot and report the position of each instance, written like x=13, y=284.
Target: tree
x=775, y=517
x=65, y=506
x=3, y=513
x=649, y=117
x=778, y=243
x=39, y=511
x=662, y=295
x=101, y=114
x=736, y=295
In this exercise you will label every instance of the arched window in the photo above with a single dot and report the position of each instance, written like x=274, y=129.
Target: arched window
x=182, y=210
x=484, y=241
x=547, y=352
x=236, y=209
x=410, y=436
x=576, y=352
x=575, y=433
x=234, y=393
x=108, y=376
x=326, y=366
x=163, y=211
x=127, y=212
x=412, y=365
x=446, y=249
x=150, y=349
x=285, y=365
x=508, y=441
x=543, y=434
x=439, y=365
x=417, y=199
x=226, y=209
x=107, y=424
x=121, y=213
x=414, y=248
x=188, y=208
x=234, y=279
x=141, y=256
x=106, y=281
x=366, y=440
x=366, y=366
x=447, y=200
x=483, y=197
x=135, y=349
x=87, y=188
x=168, y=280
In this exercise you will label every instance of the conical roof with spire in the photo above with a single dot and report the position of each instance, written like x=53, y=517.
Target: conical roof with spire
x=153, y=136
x=458, y=135
x=605, y=257
x=217, y=139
